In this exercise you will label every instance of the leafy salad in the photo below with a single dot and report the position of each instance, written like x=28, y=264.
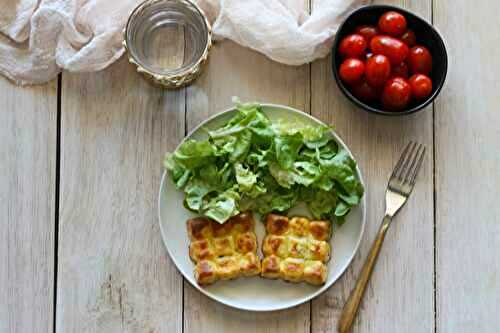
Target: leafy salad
x=253, y=163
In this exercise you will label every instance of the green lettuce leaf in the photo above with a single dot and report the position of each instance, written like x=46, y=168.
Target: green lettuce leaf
x=284, y=178
x=252, y=163
x=305, y=173
x=341, y=168
x=193, y=154
x=222, y=207
x=322, y=204
x=195, y=191
x=275, y=202
x=287, y=149
x=246, y=179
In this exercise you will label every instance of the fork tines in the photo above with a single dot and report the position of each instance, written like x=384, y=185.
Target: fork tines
x=409, y=163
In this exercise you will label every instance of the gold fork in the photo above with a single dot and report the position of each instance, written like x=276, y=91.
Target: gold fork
x=398, y=190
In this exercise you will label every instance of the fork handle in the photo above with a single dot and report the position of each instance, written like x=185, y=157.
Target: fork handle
x=351, y=307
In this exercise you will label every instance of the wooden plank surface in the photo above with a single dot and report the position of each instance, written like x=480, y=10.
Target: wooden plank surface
x=400, y=295
x=28, y=125
x=235, y=71
x=467, y=170
x=114, y=274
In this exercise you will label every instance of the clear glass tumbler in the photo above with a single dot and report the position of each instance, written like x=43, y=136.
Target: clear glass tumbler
x=168, y=41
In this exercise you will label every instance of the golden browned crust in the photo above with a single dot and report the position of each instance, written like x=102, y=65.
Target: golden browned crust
x=199, y=228
x=271, y=267
x=315, y=272
x=320, y=230
x=276, y=224
x=296, y=249
x=205, y=272
x=223, y=251
x=249, y=264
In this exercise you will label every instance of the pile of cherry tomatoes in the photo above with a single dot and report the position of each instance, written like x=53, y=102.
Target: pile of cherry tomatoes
x=378, y=61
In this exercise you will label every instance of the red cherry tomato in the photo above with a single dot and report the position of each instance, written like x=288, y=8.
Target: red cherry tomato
x=378, y=70
x=392, y=48
x=400, y=70
x=421, y=86
x=351, y=70
x=364, y=91
x=352, y=46
x=409, y=38
x=367, y=31
x=392, y=23
x=396, y=94
x=420, y=60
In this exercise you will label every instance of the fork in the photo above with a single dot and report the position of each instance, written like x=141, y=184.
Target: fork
x=400, y=185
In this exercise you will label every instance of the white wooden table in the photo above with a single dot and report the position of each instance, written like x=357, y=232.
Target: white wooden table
x=80, y=249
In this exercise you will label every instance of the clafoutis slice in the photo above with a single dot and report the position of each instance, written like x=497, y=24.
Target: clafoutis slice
x=223, y=251
x=296, y=249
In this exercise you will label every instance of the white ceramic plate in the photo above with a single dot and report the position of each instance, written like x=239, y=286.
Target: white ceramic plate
x=255, y=293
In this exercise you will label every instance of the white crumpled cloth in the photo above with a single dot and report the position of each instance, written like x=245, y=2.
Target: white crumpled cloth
x=39, y=38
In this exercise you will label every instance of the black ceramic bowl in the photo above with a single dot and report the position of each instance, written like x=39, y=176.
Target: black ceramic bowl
x=426, y=36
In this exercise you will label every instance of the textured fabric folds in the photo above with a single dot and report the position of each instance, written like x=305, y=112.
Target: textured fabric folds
x=38, y=39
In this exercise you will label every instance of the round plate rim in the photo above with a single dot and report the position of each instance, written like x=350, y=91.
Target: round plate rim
x=301, y=300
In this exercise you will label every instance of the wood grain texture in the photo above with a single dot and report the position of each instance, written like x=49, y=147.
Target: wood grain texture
x=114, y=274
x=235, y=71
x=28, y=122
x=400, y=295
x=467, y=170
